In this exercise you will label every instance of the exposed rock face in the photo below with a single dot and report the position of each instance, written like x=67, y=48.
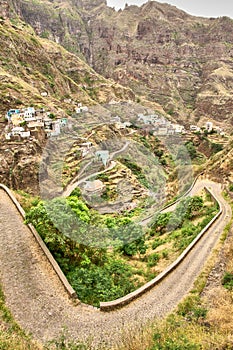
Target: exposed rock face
x=20, y=165
x=220, y=168
x=180, y=61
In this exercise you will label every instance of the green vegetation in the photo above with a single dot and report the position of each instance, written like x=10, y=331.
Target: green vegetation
x=216, y=147
x=227, y=280
x=191, y=149
x=11, y=335
x=136, y=170
x=179, y=226
x=200, y=323
x=98, y=274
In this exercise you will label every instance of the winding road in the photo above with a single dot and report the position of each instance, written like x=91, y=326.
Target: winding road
x=75, y=182
x=39, y=303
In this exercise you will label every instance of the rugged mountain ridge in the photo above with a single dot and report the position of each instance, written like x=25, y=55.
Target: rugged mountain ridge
x=162, y=53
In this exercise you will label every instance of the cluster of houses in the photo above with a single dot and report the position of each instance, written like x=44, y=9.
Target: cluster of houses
x=23, y=122
x=208, y=127
x=26, y=121
x=80, y=108
x=161, y=126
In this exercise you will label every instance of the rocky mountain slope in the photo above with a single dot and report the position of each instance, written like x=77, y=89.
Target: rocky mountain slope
x=31, y=66
x=220, y=167
x=180, y=61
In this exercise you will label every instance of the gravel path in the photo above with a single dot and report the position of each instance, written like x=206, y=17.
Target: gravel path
x=39, y=303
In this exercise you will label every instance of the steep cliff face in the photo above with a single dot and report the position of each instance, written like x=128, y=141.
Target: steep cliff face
x=180, y=61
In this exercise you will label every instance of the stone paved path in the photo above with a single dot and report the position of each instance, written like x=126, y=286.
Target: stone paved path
x=39, y=303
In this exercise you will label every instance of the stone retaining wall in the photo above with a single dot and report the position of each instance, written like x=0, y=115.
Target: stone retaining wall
x=47, y=253
x=111, y=305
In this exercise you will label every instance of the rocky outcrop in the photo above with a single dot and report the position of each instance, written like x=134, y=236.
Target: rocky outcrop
x=20, y=164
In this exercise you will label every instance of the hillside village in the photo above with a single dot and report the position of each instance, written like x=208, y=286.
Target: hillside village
x=163, y=127
x=27, y=122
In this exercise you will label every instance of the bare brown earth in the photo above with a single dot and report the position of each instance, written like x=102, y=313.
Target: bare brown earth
x=39, y=303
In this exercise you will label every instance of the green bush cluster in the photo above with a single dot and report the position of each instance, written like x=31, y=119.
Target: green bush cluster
x=95, y=274
x=187, y=209
x=227, y=280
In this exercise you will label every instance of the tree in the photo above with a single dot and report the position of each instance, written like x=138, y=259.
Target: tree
x=159, y=223
x=195, y=205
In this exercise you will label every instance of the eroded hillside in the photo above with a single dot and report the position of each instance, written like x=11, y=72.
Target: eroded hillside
x=180, y=61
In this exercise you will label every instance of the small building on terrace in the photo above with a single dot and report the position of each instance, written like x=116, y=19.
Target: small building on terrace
x=94, y=187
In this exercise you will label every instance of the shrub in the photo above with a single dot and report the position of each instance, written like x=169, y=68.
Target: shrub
x=157, y=242
x=153, y=259
x=227, y=280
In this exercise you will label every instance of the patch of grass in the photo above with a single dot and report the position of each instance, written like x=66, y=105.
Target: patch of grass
x=26, y=200
x=227, y=280
x=153, y=259
x=62, y=343
x=157, y=242
x=11, y=335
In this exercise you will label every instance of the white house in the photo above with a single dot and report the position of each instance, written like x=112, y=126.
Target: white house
x=86, y=145
x=29, y=114
x=25, y=134
x=209, y=126
x=56, y=128
x=127, y=124
x=170, y=131
x=67, y=100
x=81, y=109
x=35, y=124
x=103, y=156
x=17, y=130
x=120, y=126
x=194, y=128
x=116, y=119
x=161, y=131
x=84, y=109
x=113, y=102
x=178, y=128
